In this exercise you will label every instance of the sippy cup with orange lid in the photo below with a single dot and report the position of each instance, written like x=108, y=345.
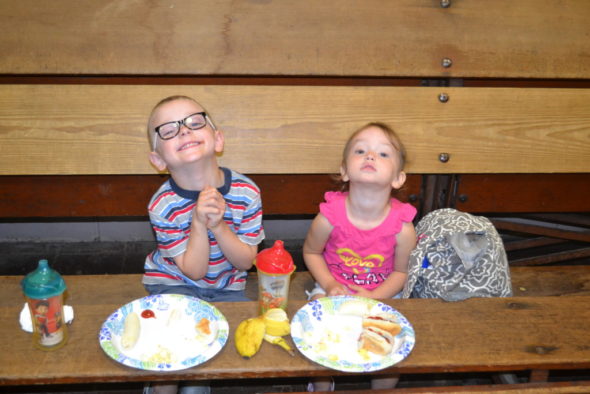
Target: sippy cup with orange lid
x=274, y=266
x=44, y=290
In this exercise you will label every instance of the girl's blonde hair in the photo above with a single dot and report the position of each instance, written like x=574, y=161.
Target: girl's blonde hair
x=388, y=132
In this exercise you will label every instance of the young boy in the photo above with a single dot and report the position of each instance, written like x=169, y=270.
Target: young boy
x=207, y=219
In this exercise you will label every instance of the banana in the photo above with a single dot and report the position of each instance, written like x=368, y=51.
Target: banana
x=249, y=336
x=130, y=331
x=280, y=341
x=276, y=322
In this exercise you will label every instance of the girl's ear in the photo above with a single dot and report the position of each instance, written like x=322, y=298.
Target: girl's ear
x=219, y=141
x=157, y=161
x=343, y=174
x=399, y=181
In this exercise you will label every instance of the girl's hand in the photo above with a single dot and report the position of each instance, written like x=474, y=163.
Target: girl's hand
x=361, y=291
x=337, y=289
x=210, y=207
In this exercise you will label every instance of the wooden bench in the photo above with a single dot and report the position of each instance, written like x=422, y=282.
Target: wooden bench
x=493, y=124
x=526, y=338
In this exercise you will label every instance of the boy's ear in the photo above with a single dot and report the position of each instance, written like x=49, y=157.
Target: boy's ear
x=399, y=181
x=157, y=161
x=219, y=141
x=343, y=174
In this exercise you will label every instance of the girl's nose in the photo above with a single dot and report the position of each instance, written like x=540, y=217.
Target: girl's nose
x=370, y=155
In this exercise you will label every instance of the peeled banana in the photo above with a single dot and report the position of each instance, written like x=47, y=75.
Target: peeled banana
x=276, y=322
x=130, y=331
x=279, y=341
x=271, y=327
x=249, y=336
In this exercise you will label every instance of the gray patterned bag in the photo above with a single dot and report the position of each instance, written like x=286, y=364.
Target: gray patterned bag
x=458, y=256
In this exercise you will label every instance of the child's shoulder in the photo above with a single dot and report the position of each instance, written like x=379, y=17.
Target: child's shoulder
x=238, y=180
x=334, y=196
x=163, y=195
x=405, y=211
x=334, y=204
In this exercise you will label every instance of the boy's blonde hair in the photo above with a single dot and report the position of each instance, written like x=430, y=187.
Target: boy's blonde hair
x=389, y=133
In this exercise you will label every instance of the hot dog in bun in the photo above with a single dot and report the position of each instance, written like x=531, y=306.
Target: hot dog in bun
x=383, y=321
x=376, y=340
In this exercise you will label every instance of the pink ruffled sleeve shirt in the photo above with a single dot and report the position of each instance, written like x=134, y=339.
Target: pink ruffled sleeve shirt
x=362, y=257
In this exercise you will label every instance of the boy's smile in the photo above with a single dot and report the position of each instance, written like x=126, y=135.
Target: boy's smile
x=188, y=145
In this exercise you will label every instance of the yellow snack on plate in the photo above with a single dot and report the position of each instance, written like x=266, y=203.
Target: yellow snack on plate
x=130, y=331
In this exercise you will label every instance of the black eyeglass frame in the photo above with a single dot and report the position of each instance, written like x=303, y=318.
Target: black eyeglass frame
x=181, y=122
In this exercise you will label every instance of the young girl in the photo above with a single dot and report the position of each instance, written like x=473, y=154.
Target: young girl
x=360, y=242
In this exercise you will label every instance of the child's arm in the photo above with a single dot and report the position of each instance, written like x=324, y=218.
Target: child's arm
x=208, y=214
x=406, y=242
x=211, y=208
x=194, y=262
x=313, y=247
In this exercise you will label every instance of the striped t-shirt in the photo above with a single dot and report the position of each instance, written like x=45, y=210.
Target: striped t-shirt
x=170, y=211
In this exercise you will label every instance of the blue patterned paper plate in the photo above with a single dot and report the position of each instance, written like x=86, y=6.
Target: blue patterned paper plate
x=170, y=340
x=326, y=331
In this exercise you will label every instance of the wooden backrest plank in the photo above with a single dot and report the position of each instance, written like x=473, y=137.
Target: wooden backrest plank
x=536, y=193
x=100, y=129
x=503, y=38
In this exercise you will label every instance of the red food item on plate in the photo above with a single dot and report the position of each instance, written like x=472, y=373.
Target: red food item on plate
x=147, y=314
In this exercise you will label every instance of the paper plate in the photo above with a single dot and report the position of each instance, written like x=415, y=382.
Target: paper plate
x=327, y=330
x=168, y=336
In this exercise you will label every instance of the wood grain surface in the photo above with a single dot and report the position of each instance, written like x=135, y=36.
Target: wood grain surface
x=526, y=39
x=499, y=334
x=128, y=195
x=90, y=129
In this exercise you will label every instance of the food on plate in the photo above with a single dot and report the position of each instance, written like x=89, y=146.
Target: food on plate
x=204, y=326
x=148, y=313
x=375, y=340
x=383, y=321
x=249, y=336
x=130, y=331
x=354, y=308
x=162, y=355
x=173, y=318
x=276, y=322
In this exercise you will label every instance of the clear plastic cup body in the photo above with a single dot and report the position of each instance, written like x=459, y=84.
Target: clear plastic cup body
x=273, y=290
x=49, y=327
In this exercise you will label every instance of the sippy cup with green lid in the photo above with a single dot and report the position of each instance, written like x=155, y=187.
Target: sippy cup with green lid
x=44, y=290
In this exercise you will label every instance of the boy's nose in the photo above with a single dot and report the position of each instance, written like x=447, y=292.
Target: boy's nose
x=184, y=129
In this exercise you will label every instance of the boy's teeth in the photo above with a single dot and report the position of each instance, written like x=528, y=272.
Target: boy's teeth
x=189, y=145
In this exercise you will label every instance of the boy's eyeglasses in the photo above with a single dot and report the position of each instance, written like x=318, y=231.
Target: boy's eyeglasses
x=194, y=121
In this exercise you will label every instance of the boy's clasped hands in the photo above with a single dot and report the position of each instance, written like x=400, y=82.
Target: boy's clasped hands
x=209, y=208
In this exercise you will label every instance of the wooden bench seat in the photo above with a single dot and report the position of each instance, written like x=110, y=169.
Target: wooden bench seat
x=526, y=282
x=527, y=338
